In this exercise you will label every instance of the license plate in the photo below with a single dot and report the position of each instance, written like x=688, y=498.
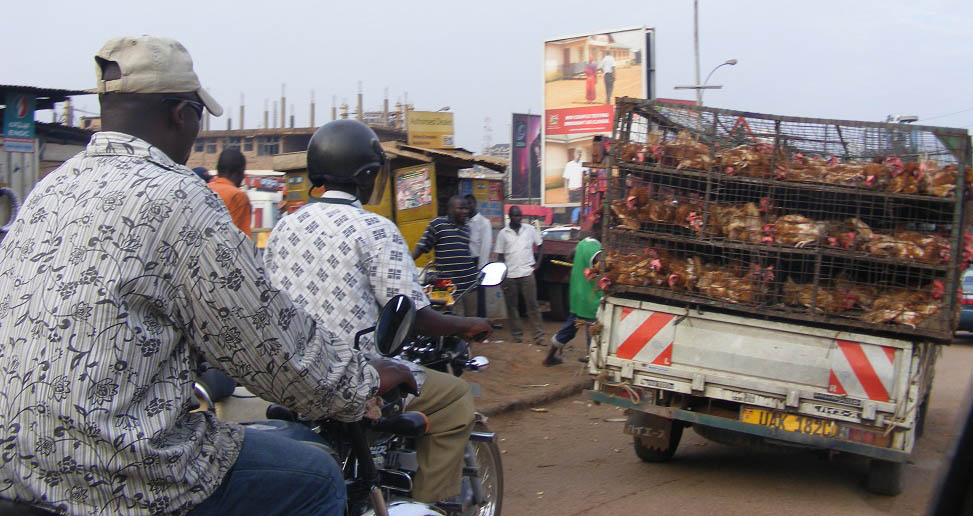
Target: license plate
x=789, y=422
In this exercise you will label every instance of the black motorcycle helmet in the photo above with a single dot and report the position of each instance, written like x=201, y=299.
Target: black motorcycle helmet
x=345, y=152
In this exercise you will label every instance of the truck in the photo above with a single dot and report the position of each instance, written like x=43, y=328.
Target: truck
x=761, y=285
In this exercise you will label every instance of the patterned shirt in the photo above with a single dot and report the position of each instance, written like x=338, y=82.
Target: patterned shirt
x=341, y=264
x=451, y=243
x=122, y=272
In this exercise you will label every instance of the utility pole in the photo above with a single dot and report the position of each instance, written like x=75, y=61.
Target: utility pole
x=699, y=93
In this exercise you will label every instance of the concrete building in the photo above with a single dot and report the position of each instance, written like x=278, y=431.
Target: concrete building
x=259, y=145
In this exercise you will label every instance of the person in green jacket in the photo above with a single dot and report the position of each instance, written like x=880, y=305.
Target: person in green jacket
x=585, y=297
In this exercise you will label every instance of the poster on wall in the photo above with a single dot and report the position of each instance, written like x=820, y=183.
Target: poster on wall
x=525, y=157
x=413, y=189
x=583, y=75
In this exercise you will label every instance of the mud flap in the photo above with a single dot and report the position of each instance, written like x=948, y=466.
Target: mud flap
x=653, y=430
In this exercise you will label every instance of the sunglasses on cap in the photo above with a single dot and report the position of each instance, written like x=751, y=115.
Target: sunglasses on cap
x=197, y=106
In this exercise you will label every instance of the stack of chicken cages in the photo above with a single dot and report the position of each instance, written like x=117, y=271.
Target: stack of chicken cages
x=830, y=222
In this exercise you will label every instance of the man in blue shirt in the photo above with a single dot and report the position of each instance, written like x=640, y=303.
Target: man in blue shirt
x=449, y=237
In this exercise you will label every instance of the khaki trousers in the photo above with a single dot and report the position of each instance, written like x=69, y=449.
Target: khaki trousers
x=513, y=290
x=448, y=403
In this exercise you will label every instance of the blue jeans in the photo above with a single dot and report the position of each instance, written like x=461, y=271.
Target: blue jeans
x=275, y=475
x=569, y=330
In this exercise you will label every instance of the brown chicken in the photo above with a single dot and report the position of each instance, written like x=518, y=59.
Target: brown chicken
x=798, y=231
x=817, y=297
x=905, y=179
x=909, y=307
x=745, y=161
x=686, y=153
x=743, y=223
x=941, y=182
x=627, y=215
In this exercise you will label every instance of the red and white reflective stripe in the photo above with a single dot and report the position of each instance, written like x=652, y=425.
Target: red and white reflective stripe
x=644, y=335
x=862, y=370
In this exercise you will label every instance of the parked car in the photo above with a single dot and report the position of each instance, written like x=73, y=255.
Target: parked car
x=966, y=316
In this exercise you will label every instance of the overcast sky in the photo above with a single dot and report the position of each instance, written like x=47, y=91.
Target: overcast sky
x=860, y=60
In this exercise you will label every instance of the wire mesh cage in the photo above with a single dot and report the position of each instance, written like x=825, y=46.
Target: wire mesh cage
x=854, y=224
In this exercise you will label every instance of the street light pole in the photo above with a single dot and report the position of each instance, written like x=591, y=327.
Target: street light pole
x=699, y=92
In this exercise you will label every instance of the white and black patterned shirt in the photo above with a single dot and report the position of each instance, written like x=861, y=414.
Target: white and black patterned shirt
x=341, y=264
x=121, y=273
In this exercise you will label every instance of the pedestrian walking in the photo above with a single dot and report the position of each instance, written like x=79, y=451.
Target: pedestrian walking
x=584, y=299
x=515, y=247
x=607, y=66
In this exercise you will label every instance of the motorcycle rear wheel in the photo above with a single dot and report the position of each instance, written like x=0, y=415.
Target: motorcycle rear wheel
x=488, y=461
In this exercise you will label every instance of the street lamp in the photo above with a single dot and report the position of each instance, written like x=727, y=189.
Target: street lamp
x=730, y=62
x=700, y=87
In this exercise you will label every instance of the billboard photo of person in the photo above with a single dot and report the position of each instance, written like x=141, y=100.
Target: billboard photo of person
x=525, y=171
x=583, y=75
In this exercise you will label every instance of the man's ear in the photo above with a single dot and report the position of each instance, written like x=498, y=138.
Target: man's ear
x=177, y=114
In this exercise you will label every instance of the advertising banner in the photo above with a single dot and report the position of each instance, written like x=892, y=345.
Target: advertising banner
x=18, y=123
x=431, y=129
x=592, y=120
x=413, y=189
x=525, y=157
x=583, y=75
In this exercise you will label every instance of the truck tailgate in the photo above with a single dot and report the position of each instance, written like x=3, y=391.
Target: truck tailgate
x=778, y=365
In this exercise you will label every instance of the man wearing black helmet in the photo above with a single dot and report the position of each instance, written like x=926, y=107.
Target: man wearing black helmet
x=341, y=263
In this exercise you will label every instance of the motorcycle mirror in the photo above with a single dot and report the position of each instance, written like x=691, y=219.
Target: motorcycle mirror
x=394, y=325
x=493, y=274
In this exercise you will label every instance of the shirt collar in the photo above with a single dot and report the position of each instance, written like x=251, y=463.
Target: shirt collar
x=109, y=143
x=338, y=194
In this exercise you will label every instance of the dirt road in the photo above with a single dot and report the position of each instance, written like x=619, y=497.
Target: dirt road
x=573, y=459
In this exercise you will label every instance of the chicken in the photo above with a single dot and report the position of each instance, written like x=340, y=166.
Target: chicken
x=744, y=223
x=685, y=153
x=683, y=274
x=848, y=234
x=862, y=295
x=927, y=248
x=876, y=175
x=941, y=182
x=627, y=215
x=745, y=160
x=908, y=307
x=846, y=174
x=905, y=179
x=816, y=297
x=798, y=231
x=685, y=211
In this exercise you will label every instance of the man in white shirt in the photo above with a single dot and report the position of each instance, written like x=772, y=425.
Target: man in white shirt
x=607, y=67
x=481, y=241
x=515, y=247
x=573, y=172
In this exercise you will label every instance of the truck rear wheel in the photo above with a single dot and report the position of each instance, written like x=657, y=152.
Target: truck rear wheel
x=649, y=454
x=884, y=477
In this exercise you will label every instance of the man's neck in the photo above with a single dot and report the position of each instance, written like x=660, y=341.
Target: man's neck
x=516, y=227
x=349, y=189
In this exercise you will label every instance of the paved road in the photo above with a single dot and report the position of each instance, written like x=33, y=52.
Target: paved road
x=574, y=459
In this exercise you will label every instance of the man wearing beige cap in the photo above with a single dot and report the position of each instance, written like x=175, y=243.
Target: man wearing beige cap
x=120, y=275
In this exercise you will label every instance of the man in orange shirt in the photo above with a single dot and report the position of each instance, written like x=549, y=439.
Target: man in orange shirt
x=230, y=168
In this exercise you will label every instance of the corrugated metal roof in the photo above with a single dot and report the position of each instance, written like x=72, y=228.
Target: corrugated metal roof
x=40, y=92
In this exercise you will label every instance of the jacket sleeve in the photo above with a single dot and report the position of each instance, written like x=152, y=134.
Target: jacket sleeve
x=238, y=322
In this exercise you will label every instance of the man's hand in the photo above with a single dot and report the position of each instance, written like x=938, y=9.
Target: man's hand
x=392, y=374
x=477, y=328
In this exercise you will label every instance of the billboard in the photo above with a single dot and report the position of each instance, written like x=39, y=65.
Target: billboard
x=432, y=129
x=525, y=157
x=18, y=122
x=583, y=75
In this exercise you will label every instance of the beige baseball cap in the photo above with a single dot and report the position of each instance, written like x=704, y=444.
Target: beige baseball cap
x=150, y=64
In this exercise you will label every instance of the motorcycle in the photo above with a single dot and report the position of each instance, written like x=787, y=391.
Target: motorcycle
x=378, y=458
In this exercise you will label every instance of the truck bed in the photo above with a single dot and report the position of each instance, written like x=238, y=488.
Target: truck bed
x=871, y=385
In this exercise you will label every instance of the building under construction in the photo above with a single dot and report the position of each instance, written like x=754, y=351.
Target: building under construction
x=278, y=134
